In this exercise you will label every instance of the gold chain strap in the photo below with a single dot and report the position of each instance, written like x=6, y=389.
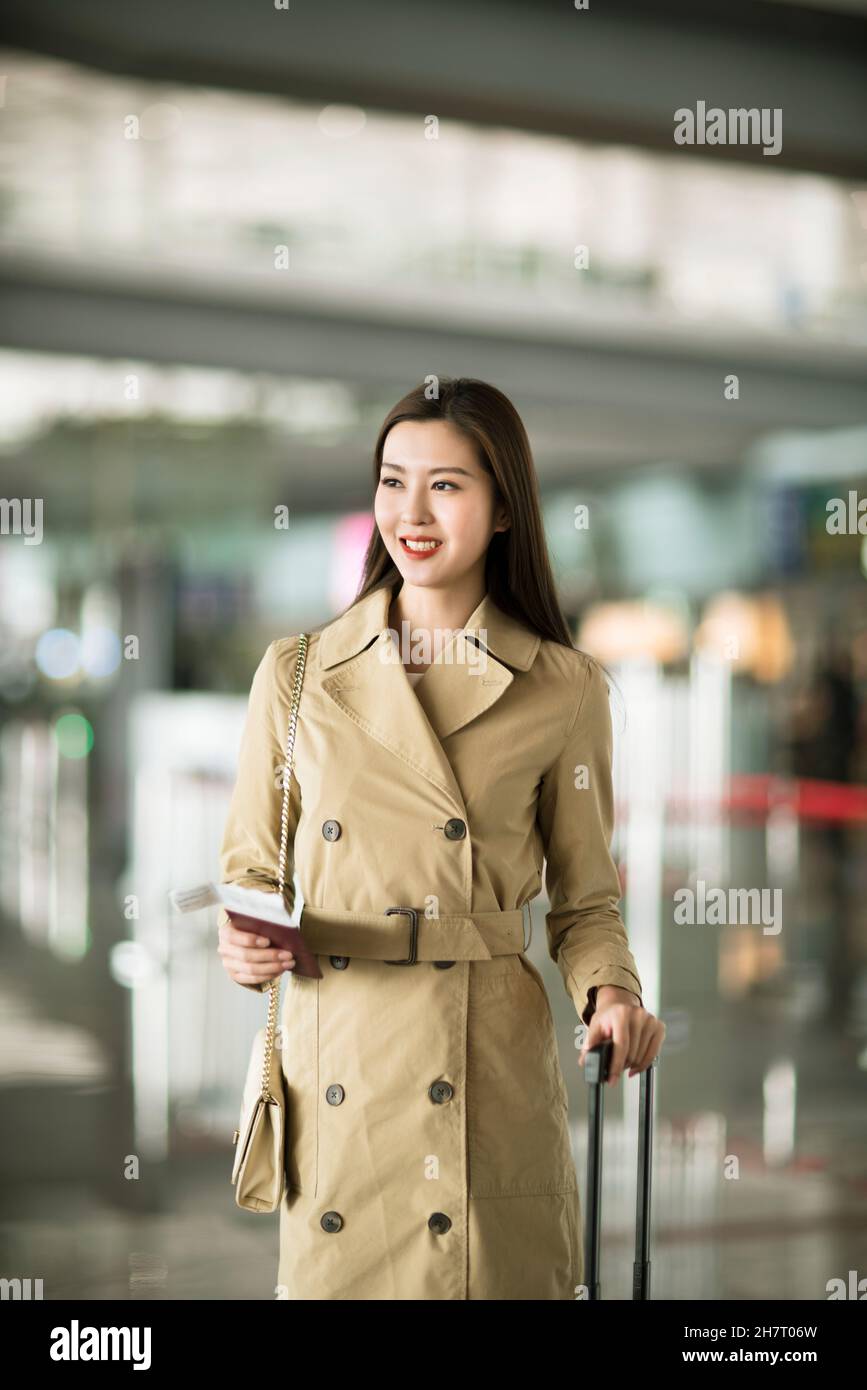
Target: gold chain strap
x=274, y=985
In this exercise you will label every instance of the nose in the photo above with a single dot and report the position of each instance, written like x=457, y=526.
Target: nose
x=415, y=513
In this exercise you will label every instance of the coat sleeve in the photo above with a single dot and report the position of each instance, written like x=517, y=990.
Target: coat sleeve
x=250, y=848
x=575, y=815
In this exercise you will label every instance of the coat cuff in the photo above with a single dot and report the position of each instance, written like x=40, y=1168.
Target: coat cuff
x=617, y=975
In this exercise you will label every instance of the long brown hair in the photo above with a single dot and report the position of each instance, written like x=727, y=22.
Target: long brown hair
x=518, y=573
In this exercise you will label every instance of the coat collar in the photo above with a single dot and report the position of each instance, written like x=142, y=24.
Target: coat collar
x=370, y=685
x=504, y=637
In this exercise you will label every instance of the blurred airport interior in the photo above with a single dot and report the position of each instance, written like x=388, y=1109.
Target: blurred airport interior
x=229, y=241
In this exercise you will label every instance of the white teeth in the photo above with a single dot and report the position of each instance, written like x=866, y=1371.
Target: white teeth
x=421, y=545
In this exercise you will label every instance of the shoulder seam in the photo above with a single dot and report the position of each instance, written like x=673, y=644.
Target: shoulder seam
x=271, y=656
x=579, y=701
x=588, y=676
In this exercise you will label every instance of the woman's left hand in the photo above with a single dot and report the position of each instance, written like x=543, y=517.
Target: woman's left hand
x=637, y=1035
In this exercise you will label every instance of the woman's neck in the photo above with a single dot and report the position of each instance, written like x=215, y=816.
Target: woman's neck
x=430, y=616
x=431, y=609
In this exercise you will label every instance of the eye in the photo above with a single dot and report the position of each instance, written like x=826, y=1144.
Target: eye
x=440, y=482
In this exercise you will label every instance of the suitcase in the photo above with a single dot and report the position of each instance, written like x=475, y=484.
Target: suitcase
x=596, y=1069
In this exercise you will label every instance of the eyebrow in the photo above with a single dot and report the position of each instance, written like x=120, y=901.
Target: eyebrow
x=400, y=469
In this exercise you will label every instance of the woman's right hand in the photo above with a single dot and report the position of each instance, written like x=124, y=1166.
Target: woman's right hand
x=251, y=960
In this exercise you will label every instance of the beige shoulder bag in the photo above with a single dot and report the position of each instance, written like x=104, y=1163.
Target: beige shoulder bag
x=259, y=1167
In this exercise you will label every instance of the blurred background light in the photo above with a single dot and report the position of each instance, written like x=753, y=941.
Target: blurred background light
x=58, y=653
x=750, y=632
x=629, y=630
x=74, y=735
x=100, y=651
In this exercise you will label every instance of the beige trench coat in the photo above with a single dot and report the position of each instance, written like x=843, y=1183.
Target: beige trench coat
x=428, y=1152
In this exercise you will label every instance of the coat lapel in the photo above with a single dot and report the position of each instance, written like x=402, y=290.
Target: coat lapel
x=369, y=684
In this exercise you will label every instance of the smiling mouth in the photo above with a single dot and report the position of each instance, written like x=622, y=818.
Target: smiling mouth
x=419, y=547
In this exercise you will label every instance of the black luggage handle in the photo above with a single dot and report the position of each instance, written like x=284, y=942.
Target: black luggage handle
x=597, y=1062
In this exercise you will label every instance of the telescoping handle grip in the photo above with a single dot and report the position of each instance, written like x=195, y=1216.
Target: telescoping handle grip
x=597, y=1063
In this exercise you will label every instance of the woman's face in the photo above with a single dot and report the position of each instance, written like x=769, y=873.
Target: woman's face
x=431, y=487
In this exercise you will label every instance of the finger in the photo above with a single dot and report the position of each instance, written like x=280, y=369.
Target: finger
x=602, y=1030
x=240, y=979
x=243, y=977
x=230, y=933
x=621, y=1032
x=248, y=953
x=651, y=1043
x=263, y=970
x=650, y=1049
x=597, y=1030
x=642, y=1054
x=593, y=1034
x=641, y=1037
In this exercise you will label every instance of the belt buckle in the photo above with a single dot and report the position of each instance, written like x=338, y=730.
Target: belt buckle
x=412, y=913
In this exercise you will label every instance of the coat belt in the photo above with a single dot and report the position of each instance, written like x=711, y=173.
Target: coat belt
x=377, y=936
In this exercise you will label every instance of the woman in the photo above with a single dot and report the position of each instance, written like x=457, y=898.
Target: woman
x=428, y=1151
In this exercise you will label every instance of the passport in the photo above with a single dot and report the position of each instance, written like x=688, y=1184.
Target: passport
x=256, y=911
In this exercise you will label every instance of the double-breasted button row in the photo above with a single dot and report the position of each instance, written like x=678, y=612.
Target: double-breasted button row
x=341, y=962
x=439, y=1092
x=438, y=1222
x=454, y=829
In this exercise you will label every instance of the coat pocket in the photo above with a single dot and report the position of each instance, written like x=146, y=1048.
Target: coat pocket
x=517, y=1127
x=553, y=1052
x=298, y=1041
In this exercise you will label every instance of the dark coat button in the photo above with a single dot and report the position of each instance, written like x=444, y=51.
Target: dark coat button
x=439, y=1223
x=339, y=962
x=331, y=829
x=332, y=1221
x=440, y=1092
x=334, y=1094
x=444, y=964
x=455, y=829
